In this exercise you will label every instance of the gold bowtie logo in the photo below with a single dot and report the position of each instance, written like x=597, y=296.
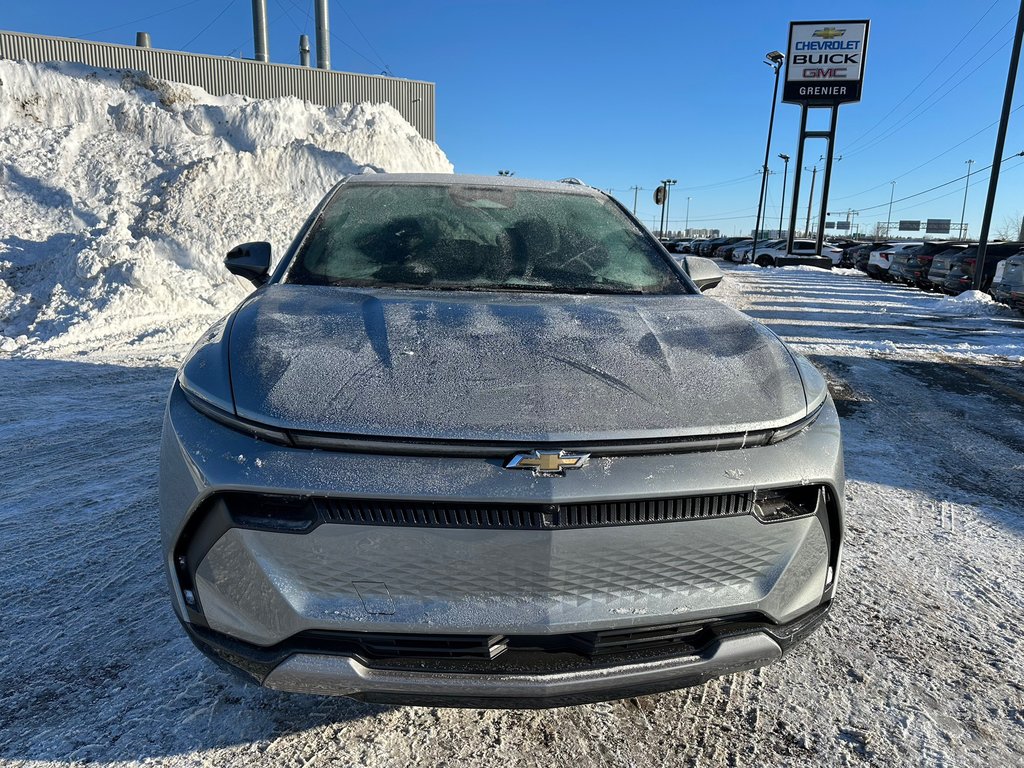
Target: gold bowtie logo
x=548, y=462
x=829, y=33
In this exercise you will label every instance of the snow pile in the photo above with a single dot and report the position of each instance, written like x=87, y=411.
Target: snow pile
x=971, y=304
x=120, y=195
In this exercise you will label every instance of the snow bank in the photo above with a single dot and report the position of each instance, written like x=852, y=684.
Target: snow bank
x=120, y=194
x=971, y=304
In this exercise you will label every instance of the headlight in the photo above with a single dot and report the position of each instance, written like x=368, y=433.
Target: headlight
x=232, y=421
x=784, y=433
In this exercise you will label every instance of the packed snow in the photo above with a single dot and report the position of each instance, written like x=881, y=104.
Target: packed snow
x=119, y=197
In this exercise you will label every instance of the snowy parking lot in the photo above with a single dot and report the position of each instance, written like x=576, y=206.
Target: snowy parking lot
x=920, y=662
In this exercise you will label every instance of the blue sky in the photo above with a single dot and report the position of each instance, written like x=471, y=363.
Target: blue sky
x=624, y=94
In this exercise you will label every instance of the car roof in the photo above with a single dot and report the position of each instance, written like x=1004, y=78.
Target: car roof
x=455, y=179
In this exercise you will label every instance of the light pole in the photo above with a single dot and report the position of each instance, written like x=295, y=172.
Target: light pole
x=785, y=174
x=810, y=200
x=686, y=227
x=888, y=216
x=775, y=60
x=963, y=232
x=668, y=191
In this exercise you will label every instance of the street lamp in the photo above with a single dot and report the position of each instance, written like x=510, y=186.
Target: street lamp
x=963, y=233
x=888, y=216
x=506, y=173
x=668, y=190
x=686, y=227
x=775, y=60
x=785, y=173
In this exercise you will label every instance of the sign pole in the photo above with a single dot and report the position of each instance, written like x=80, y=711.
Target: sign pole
x=997, y=160
x=796, y=180
x=827, y=177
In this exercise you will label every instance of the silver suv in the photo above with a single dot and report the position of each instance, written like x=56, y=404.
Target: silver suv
x=482, y=442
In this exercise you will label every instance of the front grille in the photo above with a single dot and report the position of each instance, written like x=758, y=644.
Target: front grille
x=532, y=516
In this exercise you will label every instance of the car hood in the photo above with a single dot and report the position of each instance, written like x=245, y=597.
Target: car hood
x=509, y=366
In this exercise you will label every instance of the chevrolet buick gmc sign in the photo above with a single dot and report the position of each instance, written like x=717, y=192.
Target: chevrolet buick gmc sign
x=825, y=64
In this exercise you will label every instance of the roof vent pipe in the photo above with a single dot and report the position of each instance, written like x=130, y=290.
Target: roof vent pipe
x=259, y=30
x=142, y=40
x=304, y=50
x=323, y=32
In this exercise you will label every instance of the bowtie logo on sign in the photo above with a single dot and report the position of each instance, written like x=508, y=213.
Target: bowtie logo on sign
x=829, y=32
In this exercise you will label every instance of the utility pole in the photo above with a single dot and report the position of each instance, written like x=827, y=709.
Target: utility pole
x=668, y=183
x=785, y=174
x=888, y=216
x=810, y=201
x=661, y=229
x=636, y=191
x=997, y=159
x=686, y=227
x=967, y=185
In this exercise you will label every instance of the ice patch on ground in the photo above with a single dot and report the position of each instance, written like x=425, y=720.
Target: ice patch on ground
x=120, y=194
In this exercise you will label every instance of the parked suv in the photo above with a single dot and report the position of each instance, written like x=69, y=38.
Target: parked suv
x=804, y=252
x=962, y=267
x=1011, y=282
x=911, y=265
x=879, y=261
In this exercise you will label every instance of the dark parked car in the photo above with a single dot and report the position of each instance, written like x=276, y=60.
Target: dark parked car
x=1010, y=288
x=911, y=266
x=708, y=246
x=962, y=266
x=715, y=250
x=726, y=251
x=693, y=245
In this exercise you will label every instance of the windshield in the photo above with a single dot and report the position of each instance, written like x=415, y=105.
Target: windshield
x=455, y=237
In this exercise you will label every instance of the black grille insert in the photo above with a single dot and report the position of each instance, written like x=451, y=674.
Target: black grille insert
x=532, y=516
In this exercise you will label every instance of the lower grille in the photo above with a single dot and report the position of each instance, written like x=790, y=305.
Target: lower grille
x=676, y=638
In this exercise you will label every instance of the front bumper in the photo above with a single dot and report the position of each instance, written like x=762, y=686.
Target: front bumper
x=265, y=588
x=520, y=684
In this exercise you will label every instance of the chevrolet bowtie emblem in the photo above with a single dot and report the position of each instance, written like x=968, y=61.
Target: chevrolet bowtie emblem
x=548, y=462
x=828, y=33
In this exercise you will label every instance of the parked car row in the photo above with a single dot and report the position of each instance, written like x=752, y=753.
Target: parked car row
x=768, y=253
x=947, y=266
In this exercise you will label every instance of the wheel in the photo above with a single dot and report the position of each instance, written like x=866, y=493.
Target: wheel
x=764, y=260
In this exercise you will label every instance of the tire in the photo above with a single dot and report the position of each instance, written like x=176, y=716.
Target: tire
x=764, y=260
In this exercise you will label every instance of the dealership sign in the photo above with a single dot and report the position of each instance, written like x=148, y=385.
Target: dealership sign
x=825, y=62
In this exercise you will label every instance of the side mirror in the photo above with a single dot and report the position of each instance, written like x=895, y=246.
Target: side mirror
x=704, y=272
x=251, y=261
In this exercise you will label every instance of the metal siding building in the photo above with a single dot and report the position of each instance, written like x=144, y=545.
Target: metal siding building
x=221, y=75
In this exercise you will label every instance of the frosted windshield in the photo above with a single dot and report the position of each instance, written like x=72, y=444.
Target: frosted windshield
x=459, y=237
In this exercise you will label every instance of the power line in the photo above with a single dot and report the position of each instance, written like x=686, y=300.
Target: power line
x=924, y=79
x=143, y=18
x=338, y=39
x=937, y=186
x=214, y=21
x=926, y=162
x=911, y=117
x=365, y=39
x=982, y=180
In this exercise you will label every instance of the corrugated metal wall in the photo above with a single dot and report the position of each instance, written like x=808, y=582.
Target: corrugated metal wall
x=220, y=75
